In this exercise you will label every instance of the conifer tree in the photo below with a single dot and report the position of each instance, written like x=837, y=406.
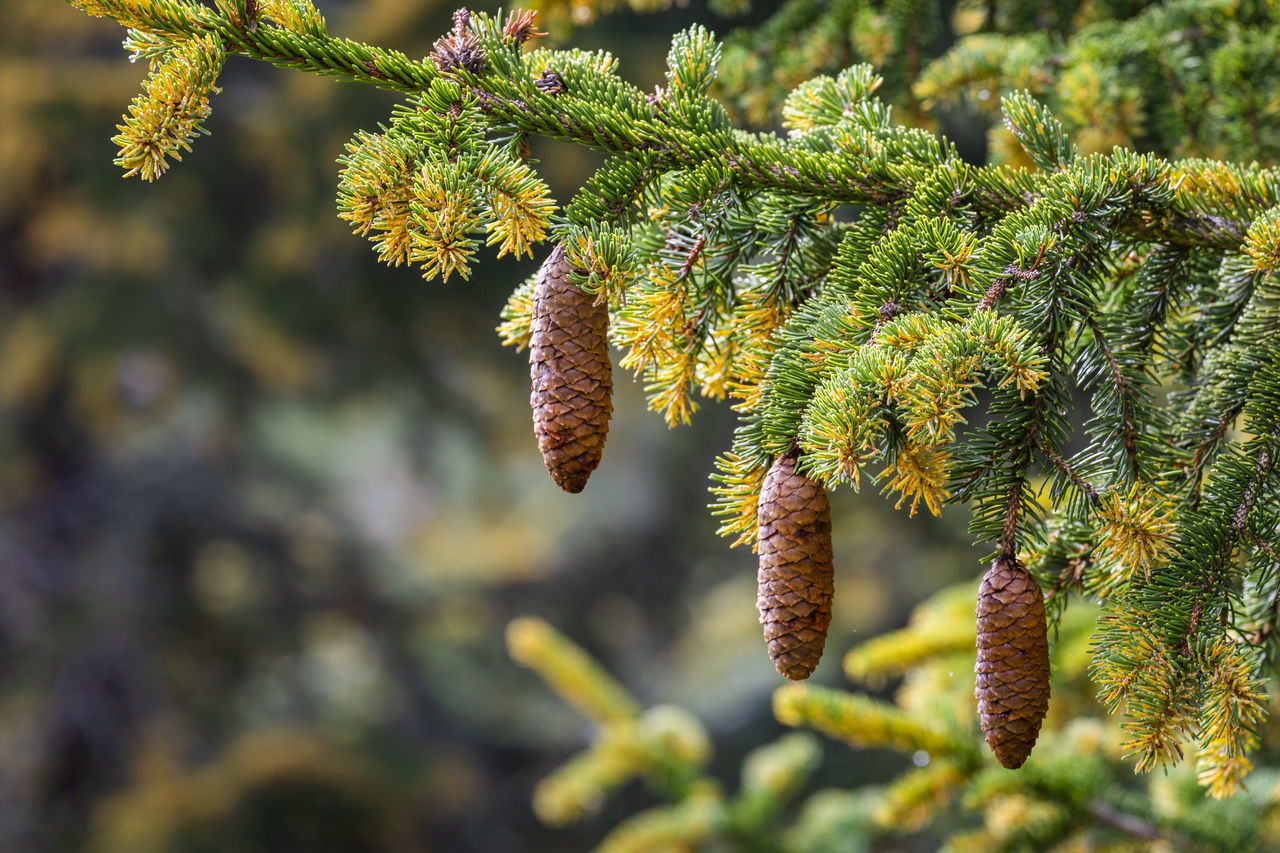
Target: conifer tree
x=1073, y=340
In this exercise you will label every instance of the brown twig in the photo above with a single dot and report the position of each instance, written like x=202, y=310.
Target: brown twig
x=1131, y=824
x=1066, y=468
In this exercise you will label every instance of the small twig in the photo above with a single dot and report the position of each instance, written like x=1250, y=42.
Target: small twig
x=1011, y=273
x=1066, y=468
x=1241, y=516
x=887, y=312
x=1266, y=546
x=692, y=258
x=1108, y=814
x=1072, y=576
x=1012, y=504
x=994, y=292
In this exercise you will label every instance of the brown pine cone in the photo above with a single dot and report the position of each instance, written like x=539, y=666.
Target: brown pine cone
x=572, y=377
x=1013, y=660
x=797, y=579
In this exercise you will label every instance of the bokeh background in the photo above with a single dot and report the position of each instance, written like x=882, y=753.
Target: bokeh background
x=266, y=506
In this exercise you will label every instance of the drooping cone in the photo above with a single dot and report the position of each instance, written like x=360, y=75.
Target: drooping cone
x=571, y=374
x=793, y=534
x=1012, y=685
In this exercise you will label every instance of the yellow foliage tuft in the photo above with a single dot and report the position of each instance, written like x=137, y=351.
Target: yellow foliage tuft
x=738, y=497
x=1232, y=713
x=164, y=119
x=1135, y=536
x=299, y=16
x=919, y=474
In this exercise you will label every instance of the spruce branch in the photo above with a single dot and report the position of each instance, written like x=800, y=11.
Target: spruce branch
x=918, y=796
x=1087, y=801
x=307, y=51
x=1115, y=808
x=1213, y=576
x=676, y=140
x=686, y=825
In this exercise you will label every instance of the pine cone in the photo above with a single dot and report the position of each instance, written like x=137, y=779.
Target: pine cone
x=793, y=533
x=1013, y=660
x=572, y=377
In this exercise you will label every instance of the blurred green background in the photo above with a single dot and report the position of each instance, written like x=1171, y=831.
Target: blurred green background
x=266, y=505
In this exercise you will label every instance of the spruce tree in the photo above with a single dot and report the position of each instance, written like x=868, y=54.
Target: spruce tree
x=1073, y=340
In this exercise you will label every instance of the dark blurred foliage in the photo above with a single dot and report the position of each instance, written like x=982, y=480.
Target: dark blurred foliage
x=266, y=505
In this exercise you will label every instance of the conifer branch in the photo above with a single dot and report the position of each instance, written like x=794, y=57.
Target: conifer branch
x=1211, y=577
x=865, y=722
x=1188, y=228
x=317, y=53
x=1116, y=809
x=757, y=163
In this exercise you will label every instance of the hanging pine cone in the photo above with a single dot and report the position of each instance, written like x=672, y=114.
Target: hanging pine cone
x=793, y=533
x=572, y=377
x=1013, y=660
